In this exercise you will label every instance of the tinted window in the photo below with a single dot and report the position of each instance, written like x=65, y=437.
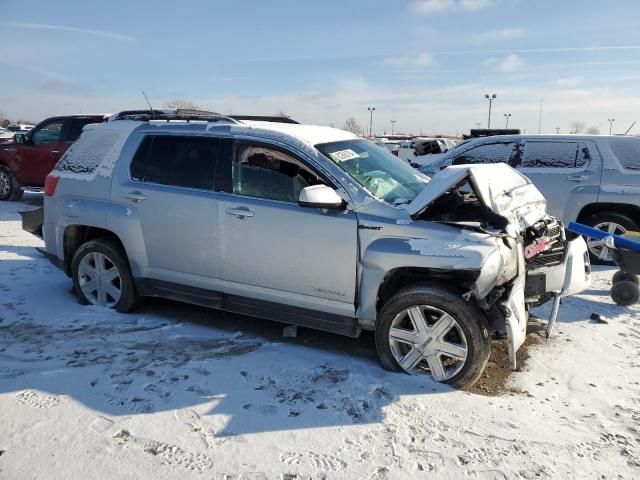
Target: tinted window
x=180, y=161
x=627, y=150
x=550, y=154
x=489, y=153
x=267, y=173
x=75, y=128
x=49, y=133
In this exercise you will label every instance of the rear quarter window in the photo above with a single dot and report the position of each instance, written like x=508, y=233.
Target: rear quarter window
x=627, y=151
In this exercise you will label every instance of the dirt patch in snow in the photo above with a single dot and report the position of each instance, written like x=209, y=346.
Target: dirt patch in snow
x=495, y=378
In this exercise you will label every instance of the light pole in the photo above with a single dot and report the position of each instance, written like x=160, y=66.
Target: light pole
x=491, y=98
x=393, y=124
x=477, y=124
x=611, y=120
x=557, y=130
x=371, y=110
x=507, y=115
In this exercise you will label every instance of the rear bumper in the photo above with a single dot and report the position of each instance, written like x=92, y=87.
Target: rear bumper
x=32, y=221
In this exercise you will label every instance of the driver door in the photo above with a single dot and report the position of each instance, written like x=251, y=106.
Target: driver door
x=278, y=252
x=45, y=147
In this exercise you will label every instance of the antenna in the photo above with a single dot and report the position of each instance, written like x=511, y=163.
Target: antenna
x=540, y=117
x=148, y=102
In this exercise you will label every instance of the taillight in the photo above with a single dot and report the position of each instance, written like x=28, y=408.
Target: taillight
x=50, y=184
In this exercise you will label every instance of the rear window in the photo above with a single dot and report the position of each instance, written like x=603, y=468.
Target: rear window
x=550, y=154
x=93, y=147
x=627, y=151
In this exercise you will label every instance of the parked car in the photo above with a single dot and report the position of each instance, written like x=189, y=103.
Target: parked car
x=392, y=146
x=26, y=161
x=19, y=127
x=5, y=135
x=312, y=226
x=592, y=179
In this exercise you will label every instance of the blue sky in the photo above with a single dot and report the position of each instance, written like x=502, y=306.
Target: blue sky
x=425, y=64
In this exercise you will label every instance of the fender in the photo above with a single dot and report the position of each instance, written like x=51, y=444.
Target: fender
x=479, y=259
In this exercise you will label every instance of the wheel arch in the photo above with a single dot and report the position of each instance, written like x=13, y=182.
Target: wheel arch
x=76, y=235
x=632, y=211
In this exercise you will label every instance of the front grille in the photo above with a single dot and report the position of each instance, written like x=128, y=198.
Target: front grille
x=552, y=230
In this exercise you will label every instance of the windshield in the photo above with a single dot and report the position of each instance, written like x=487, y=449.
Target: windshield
x=382, y=174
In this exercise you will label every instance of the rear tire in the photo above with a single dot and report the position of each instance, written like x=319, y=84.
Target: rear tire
x=437, y=304
x=102, y=277
x=622, y=224
x=10, y=188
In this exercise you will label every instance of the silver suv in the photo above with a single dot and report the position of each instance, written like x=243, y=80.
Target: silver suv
x=311, y=226
x=594, y=179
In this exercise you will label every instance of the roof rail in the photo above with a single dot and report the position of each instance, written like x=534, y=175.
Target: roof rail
x=265, y=118
x=171, y=115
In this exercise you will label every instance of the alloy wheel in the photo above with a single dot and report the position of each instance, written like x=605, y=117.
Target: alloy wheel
x=424, y=338
x=5, y=184
x=99, y=280
x=597, y=247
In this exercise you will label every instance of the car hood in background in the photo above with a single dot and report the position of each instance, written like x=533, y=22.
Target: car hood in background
x=498, y=186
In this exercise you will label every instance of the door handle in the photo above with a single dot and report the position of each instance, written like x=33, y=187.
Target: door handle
x=240, y=212
x=135, y=196
x=578, y=178
x=55, y=151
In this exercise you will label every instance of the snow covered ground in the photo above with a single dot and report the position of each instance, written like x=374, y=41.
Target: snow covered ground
x=177, y=391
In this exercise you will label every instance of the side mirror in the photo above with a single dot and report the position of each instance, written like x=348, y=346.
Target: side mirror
x=320, y=196
x=21, y=138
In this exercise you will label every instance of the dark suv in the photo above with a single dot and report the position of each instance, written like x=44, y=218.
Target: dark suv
x=26, y=161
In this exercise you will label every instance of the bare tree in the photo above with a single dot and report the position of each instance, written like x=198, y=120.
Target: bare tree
x=578, y=126
x=352, y=125
x=181, y=104
x=593, y=131
x=282, y=114
x=5, y=122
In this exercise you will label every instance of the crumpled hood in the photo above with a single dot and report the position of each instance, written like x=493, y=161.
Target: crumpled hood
x=499, y=187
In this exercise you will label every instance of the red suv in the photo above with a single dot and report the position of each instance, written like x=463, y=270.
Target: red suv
x=26, y=161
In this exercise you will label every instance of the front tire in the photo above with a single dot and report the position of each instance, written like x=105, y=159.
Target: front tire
x=10, y=188
x=431, y=329
x=102, y=277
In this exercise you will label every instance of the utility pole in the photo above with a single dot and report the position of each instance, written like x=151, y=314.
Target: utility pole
x=611, y=120
x=491, y=98
x=540, y=117
x=507, y=115
x=371, y=110
x=393, y=124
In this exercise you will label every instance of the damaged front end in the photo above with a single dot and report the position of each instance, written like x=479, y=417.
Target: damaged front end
x=533, y=261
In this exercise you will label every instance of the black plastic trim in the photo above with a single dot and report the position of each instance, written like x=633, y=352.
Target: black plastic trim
x=252, y=307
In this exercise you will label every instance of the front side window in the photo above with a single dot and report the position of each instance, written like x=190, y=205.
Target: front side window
x=50, y=133
x=382, y=174
x=267, y=173
x=549, y=154
x=489, y=153
x=190, y=162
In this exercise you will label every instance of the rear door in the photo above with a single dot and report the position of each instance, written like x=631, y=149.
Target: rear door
x=38, y=157
x=274, y=250
x=560, y=169
x=169, y=194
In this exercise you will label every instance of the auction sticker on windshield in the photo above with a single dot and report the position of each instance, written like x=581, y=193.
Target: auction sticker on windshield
x=344, y=155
